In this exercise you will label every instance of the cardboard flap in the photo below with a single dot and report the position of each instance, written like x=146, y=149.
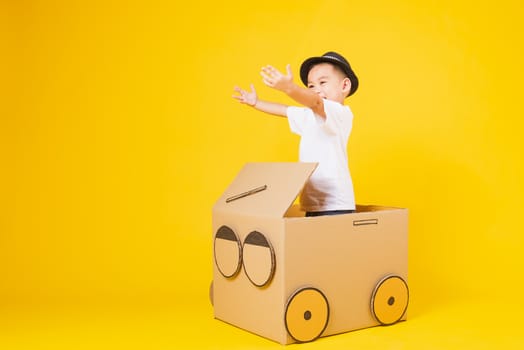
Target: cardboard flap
x=265, y=189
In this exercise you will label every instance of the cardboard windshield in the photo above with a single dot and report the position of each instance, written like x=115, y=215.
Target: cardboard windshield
x=265, y=189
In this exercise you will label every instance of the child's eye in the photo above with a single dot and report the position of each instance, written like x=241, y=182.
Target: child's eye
x=310, y=86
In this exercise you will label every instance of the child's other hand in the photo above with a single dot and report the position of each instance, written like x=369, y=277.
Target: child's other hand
x=272, y=77
x=247, y=97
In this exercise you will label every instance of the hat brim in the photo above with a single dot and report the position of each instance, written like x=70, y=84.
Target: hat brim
x=310, y=62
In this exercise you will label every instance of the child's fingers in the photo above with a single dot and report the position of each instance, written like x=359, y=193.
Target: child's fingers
x=268, y=68
x=270, y=71
x=266, y=78
x=267, y=82
x=238, y=97
x=288, y=68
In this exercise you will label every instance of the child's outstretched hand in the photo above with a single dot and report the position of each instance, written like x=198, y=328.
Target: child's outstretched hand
x=272, y=77
x=247, y=97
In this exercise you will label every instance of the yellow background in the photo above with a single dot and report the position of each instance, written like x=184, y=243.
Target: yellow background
x=118, y=132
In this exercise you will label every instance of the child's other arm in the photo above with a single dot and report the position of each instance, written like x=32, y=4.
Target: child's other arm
x=250, y=98
x=272, y=77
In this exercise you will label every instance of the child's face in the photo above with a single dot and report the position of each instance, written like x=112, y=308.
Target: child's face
x=328, y=82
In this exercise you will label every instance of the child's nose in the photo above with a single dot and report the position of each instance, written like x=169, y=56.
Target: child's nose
x=320, y=93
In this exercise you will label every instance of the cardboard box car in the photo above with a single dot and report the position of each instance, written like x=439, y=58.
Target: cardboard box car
x=292, y=278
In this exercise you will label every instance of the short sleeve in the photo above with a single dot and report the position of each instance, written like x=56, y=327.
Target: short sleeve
x=338, y=117
x=298, y=118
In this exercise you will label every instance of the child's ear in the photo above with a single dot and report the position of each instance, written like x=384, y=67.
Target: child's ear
x=346, y=86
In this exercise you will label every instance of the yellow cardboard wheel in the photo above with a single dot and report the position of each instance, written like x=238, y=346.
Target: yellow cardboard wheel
x=389, y=300
x=258, y=258
x=307, y=314
x=228, y=252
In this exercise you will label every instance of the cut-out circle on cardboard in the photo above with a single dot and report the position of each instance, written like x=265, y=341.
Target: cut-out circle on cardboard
x=307, y=314
x=258, y=258
x=227, y=251
x=390, y=300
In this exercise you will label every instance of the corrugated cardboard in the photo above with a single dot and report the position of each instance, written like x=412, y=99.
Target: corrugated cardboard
x=292, y=278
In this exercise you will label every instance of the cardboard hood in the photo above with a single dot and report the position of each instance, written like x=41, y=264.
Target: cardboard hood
x=265, y=189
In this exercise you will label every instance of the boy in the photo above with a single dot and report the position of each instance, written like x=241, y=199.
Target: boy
x=324, y=125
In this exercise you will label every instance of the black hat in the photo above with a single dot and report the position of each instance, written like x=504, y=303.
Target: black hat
x=333, y=58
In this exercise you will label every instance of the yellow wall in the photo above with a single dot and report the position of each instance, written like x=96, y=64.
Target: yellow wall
x=118, y=132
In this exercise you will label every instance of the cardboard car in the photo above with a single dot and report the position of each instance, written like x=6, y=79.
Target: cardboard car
x=291, y=278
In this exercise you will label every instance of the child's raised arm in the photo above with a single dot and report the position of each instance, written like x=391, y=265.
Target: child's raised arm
x=250, y=98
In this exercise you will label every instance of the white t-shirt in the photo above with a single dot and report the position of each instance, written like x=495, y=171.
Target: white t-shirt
x=325, y=141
